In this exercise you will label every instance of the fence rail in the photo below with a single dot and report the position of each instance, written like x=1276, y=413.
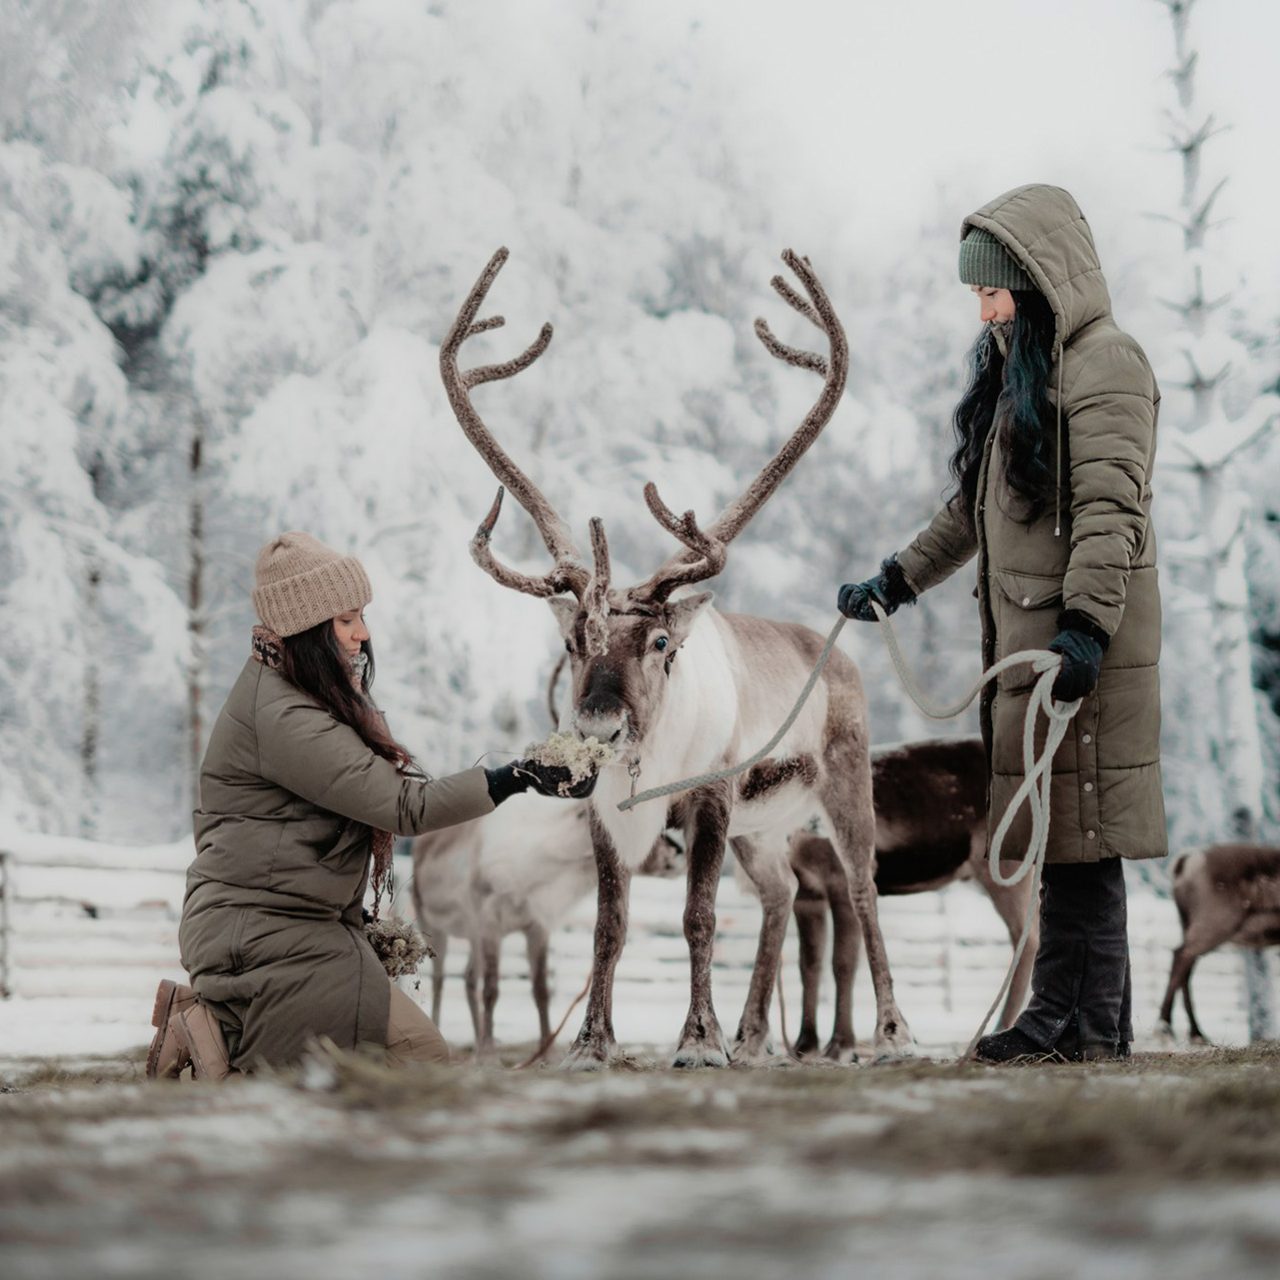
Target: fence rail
x=101, y=924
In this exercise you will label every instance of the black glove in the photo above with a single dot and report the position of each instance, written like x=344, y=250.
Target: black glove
x=546, y=779
x=1082, y=643
x=889, y=588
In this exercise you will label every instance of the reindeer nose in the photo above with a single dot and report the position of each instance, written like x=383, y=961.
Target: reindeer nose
x=603, y=726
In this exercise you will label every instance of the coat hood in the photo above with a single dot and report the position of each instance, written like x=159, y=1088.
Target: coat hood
x=1044, y=230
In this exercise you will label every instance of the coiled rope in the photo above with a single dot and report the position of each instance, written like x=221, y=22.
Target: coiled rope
x=1033, y=791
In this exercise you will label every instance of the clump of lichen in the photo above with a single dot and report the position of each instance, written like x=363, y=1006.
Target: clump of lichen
x=582, y=757
x=399, y=946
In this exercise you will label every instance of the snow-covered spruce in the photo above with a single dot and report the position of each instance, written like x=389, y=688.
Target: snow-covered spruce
x=399, y=946
x=581, y=756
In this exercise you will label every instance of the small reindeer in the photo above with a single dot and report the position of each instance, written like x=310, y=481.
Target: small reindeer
x=519, y=870
x=931, y=829
x=1224, y=893
x=680, y=689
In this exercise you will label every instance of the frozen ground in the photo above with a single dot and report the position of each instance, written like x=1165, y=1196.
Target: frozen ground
x=1165, y=1167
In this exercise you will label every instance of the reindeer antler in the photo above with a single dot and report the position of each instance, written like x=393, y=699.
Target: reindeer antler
x=709, y=552
x=694, y=564
x=834, y=369
x=569, y=573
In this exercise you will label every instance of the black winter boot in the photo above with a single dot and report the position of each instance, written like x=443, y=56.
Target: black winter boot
x=1013, y=1047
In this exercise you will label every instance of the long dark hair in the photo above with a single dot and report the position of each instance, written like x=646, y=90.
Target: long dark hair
x=313, y=661
x=1017, y=390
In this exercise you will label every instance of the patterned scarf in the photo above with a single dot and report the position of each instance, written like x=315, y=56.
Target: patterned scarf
x=268, y=648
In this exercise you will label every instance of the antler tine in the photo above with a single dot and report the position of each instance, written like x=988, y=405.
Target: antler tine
x=793, y=299
x=595, y=600
x=834, y=369
x=508, y=368
x=550, y=585
x=570, y=572
x=682, y=568
x=792, y=355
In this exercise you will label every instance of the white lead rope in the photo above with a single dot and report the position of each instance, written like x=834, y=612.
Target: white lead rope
x=1034, y=789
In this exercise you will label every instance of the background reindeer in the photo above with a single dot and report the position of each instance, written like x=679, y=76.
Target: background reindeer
x=680, y=689
x=931, y=828
x=520, y=869
x=1225, y=893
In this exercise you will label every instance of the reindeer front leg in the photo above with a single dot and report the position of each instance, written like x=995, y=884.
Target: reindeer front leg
x=595, y=1046
x=702, y=1042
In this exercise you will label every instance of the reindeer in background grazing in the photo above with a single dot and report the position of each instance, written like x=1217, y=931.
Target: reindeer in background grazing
x=1225, y=893
x=520, y=869
x=931, y=829
x=679, y=689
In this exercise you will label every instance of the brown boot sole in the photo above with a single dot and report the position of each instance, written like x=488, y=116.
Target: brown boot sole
x=165, y=994
x=169, y=1000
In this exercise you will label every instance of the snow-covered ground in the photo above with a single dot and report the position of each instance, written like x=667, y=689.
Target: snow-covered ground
x=1167, y=1165
x=93, y=927
x=886, y=1172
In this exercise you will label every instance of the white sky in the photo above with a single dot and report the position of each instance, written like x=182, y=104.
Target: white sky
x=881, y=103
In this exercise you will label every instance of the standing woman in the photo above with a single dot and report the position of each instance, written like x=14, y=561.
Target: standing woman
x=301, y=791
x=1056, y=436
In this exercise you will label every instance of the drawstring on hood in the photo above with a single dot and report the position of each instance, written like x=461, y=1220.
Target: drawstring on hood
x=1057, y=488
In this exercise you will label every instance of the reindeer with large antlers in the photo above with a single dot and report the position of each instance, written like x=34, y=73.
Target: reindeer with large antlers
x=680, y=689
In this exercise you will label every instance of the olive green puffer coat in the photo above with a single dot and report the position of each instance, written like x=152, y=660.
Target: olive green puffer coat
x=1106, y=794
x=272, y=926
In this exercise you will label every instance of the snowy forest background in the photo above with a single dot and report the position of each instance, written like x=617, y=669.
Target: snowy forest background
x=234, y=232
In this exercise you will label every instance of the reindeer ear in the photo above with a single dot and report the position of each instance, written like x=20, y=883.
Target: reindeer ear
x=566, y=612
x=683, y=613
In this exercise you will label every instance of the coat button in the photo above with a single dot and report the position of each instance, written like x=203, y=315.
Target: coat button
x=1088, y=786
x=1026, y=600
x=1090, y=835
x=1086, y=738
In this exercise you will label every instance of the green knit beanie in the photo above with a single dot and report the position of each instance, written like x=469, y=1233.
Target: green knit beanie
x=984, y=261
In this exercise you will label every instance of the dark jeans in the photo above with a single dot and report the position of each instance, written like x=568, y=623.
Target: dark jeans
x=1080, y=987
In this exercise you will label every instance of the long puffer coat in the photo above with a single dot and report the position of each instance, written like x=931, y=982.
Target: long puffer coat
x=1106, y=796
x=272, y=925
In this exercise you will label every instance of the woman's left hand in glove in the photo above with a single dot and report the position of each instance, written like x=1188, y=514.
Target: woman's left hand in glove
x=1081, y=645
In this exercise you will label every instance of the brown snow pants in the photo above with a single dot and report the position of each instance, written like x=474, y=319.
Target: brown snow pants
x=412, y=1037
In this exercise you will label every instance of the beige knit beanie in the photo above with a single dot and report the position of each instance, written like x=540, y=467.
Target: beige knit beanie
x=299, y=583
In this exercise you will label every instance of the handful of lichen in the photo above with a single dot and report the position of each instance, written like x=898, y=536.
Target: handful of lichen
x=582, y=758
x=398, y=945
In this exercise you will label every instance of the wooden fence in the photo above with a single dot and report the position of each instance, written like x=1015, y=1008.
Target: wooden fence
x=80, y=920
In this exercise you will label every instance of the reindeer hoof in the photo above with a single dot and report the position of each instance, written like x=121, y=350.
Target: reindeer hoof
x=893, y=1040
x=900, y=1048
x=840, y=1053
x=589, y=1057
x=758, y=1051
x=689, y=1057
x=806, y=1047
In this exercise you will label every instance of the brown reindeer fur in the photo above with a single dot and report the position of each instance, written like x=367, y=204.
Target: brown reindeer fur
x=931, y=818
x=1225, y=893
x=770, y=774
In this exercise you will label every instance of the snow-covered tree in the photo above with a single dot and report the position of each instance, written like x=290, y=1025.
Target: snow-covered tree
x=1205, y=437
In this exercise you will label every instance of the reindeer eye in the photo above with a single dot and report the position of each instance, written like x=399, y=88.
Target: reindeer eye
x=661, y=643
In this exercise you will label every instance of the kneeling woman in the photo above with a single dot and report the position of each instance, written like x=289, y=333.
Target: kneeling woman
x=301, y=790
